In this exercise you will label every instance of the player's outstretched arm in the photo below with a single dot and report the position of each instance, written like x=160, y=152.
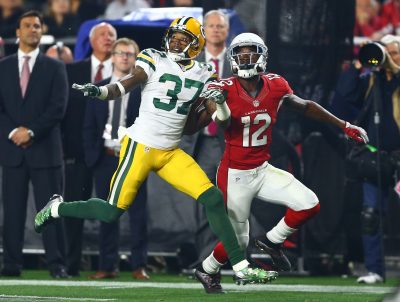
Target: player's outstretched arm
x=116, y=89
x=316, y=111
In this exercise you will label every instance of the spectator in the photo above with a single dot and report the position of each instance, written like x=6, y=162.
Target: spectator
x=60, y=52
x=368, y=22
x=391, y=16
x=60, y=21
x=78, y=177
x=32, y=105
x=102, y=147
x=354, y=90
x=216, y=27
x=10, y=11
x=120, y=8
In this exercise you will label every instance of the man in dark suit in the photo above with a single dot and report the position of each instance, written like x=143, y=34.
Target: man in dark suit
x=78, y=177
x=33, y=97
x=207, y=145
x=101, y=146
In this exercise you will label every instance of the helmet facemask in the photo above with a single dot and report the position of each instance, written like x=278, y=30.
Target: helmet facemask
x=248, y=64
x=184, y=54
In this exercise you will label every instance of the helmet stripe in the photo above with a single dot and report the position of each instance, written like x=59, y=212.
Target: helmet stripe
x=183, y=21
x=187, y=20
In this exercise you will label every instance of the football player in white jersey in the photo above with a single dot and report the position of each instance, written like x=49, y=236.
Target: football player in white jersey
x=171, y=81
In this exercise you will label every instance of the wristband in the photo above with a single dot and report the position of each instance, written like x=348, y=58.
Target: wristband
x=103, y=92
x=223, y=111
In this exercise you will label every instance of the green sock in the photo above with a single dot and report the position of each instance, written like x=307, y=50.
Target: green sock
x=220, y=224
x=93, y=208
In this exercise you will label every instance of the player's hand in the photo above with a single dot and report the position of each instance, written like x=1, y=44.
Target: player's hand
x=88, y=89
x=214, y=95
x=356, y=133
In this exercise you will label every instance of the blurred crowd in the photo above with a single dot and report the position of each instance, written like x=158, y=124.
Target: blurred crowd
x=376, y=18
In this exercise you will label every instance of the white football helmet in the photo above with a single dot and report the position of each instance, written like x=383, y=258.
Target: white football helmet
x=258, y=58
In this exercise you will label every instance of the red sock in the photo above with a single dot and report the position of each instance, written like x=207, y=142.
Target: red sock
x=295, y=219
x=220, y=254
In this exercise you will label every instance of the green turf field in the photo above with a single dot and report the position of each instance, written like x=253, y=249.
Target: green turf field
x=38, y=286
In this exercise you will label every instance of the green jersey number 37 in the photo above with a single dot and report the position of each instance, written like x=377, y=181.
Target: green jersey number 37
x=173, y=93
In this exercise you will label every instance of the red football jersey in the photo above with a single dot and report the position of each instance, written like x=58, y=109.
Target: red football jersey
x=249, y=136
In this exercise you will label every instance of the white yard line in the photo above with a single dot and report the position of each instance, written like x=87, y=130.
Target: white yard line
x=233, y=287
x=41, y=298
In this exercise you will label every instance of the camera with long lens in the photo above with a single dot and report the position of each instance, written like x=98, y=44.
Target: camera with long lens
x=372, y=54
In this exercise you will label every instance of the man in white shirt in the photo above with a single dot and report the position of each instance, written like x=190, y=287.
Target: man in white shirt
x=78, y=177
x=216, y=27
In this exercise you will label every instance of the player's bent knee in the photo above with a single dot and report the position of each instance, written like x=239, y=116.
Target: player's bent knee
x=211, y=197
x=314, y=200
x=310, y=201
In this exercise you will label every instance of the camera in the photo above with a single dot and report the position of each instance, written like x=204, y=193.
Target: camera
x=372, y=54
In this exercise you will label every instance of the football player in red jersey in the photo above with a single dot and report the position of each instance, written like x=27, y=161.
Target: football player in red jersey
x=247, y=106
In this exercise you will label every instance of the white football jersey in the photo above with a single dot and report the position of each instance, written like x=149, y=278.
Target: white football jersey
x=166, y=98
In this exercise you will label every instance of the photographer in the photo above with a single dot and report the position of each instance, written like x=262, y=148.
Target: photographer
x=355, y=94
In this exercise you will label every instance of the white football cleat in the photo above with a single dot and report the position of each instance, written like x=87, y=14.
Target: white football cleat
x=371, y=278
